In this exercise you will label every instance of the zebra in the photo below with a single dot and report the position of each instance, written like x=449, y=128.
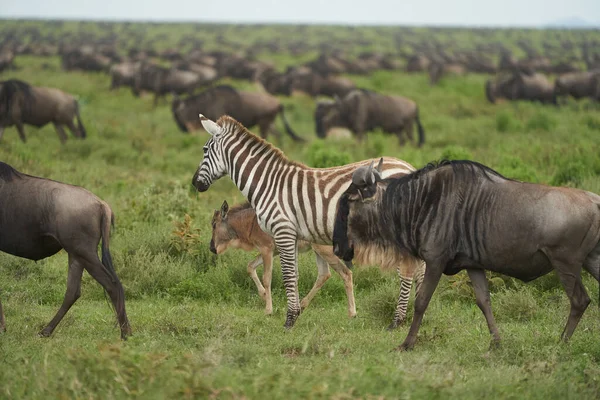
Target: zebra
x=292, y=201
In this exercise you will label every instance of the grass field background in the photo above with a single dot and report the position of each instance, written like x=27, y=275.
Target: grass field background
x=199, y=330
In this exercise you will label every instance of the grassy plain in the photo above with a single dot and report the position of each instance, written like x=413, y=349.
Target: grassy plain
x=199, y=328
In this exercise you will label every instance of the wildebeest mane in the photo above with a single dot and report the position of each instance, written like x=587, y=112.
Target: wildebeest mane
x=466, y=169
x=8, y=173
x=10, y=90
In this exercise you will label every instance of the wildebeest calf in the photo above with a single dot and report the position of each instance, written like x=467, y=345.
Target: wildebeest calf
x=463, y=215
x=39, y=217
x=237, y=227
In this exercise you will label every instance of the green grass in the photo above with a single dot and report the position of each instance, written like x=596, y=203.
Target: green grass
x=199, y=327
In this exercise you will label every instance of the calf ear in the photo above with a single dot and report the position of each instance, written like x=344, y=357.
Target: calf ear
x=224, y=209
x=211, y=127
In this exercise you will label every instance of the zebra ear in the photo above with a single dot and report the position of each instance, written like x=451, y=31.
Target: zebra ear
x=211, y=127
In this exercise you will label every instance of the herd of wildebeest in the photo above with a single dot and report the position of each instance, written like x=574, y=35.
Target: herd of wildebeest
x=441, y=219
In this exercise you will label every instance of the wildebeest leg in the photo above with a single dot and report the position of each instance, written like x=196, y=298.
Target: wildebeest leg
x=482, y=296
x=322, y=277
x=94, y=267
x=73, y=130
x=409, y=130
x=61, y=133
x=72, y=294
x=578, y=297
x=21, y=131
x=1, y=131
x=433, y=273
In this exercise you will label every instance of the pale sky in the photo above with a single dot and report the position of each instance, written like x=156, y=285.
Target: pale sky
x=391, y=12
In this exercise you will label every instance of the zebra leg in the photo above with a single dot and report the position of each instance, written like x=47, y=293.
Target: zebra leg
x=323, y=276
x=402, y=305
x=287, y=245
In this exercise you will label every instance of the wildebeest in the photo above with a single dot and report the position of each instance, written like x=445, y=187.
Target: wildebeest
x=162, y=81
x=578, y=85
x=237, y=227
x=459, y=215
x=21, y=103
x=437, y=70
x=123, y=74
x=249, y=108
x=39, y=217
x=362, y=111
x=521, y=86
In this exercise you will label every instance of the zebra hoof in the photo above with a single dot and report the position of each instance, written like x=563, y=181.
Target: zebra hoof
x=291, y=319
x=392, y=326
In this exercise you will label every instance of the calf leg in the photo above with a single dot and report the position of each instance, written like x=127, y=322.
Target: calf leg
x=61, y=133
x=267, y=277
x=252, y=265
x=433, y=273
x=72, y=294
x=482, y=296
x=324, y=275
x=346, y=275
x=577, y=296
x=112, y=286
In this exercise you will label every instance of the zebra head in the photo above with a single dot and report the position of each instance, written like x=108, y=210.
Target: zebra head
x=213, y=165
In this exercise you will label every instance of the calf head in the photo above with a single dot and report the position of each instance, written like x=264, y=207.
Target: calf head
x=222, y=232
x=357, y=200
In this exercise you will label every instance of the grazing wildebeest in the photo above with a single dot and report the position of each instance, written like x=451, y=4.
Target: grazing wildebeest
x=579, y=85
x=292, y=201
x=521, y=86
x=463, y=215
x=362, y=111
x=250, y=108
x=39, y=217
x=123, y=74
x=237, y=227
x=21, y=103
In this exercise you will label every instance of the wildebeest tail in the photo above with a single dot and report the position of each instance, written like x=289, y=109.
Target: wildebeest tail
x=420, y=129
x=80, y=126
x=288, y=128
x=174, y=106
x=108, y=220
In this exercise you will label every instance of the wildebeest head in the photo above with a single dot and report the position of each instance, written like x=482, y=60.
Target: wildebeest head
x=363, y=192
x=14, y=94
x=213, y=165
x=327, y=115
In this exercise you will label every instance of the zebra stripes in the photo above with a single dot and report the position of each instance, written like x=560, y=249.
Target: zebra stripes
x=291, y=200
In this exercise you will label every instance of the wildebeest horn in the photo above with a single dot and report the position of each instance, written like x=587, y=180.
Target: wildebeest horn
x=212, y=128
x=370, y=178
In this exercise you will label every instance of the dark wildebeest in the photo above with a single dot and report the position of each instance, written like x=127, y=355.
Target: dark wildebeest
x=249, y=108
x=521, y=86
x=21, y=103
x=123, y=74
x=463, y=215
x=361, y=111
x=39, y=217
x=579, y=85
x=237, y=227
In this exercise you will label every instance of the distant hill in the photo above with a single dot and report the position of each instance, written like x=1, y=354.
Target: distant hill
x=573, y=23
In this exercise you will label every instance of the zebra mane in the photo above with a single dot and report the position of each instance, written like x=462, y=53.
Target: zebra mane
x=233, y=127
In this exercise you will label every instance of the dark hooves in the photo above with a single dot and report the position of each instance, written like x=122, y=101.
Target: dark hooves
x=291, y=319
x=44, y=333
